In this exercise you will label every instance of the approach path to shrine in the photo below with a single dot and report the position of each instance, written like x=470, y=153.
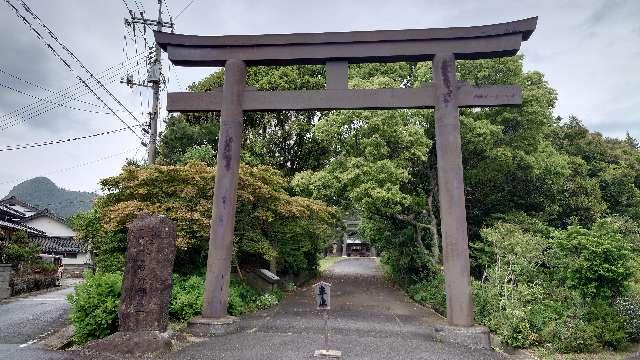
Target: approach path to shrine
x=369, y=319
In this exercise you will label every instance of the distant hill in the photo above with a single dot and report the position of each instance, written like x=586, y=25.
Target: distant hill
x=41, y=192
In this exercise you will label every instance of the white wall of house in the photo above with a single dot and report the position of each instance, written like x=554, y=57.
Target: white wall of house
x=82, y=258
x=50, y=226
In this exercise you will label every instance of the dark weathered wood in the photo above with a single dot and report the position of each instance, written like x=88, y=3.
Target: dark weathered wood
x=337, y=75
x=524, y=26
x=359, y=52
x=453, y=221
x=223, y=218
x=410, y=98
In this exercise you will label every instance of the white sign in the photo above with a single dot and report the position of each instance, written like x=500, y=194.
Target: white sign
x=322, y=294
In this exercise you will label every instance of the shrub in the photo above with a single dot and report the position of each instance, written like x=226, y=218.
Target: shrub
x=431, y=292
x=597, y=262
x=186, y=297
x=19, y=250
x=268, y=300
x=628, y=308
x=110, y=263
x=607, y=323
x=571, y=335
x=545, y=312
x=94, y=306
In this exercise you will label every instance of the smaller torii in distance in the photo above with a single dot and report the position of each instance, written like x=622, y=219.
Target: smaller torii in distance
x=336, y=50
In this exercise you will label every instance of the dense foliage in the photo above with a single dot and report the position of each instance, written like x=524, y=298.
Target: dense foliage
x=553, y=209
x=271, y=226
x=94, y=304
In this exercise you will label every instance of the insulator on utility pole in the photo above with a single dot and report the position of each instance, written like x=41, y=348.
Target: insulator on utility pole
x=154, y=75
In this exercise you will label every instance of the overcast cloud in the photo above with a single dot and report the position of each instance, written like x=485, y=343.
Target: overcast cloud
x=589, y=51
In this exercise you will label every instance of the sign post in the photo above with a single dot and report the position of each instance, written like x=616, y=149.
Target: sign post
x=322, y=295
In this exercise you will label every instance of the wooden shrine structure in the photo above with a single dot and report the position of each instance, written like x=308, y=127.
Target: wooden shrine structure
x=336, y=50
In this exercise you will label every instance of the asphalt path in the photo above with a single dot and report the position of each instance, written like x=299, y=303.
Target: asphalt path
x=24, y=321
x=369, y=319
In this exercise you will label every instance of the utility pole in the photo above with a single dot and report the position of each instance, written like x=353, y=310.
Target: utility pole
x=154, y=73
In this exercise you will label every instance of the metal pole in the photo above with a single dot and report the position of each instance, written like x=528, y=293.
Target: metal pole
x=455, y=245
x=224, y=193
x=326, y=329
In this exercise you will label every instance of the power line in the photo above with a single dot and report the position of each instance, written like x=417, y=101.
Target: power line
x=58, y=104
x=71, y=89
x=39, y=36
x=74, y=91
x=39, y=110
x=68, y=51
x=42, y=87
x=184, y=8
x=59, y=141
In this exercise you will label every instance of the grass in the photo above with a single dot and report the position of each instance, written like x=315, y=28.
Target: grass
x=326, y=262
x=545, y=354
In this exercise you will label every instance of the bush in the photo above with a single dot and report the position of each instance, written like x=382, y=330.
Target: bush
x=628, y=308
x=94, y=306
x=607, y=323
x=571, y=335
x=110, y=263
x=19, y=250
x=431, y=292
x=598, y=263
x=186, y=297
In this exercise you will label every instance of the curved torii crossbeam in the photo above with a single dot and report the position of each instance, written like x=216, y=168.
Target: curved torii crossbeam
x=336, y=50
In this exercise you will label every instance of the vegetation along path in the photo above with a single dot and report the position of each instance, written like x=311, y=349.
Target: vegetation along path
x=370, y=319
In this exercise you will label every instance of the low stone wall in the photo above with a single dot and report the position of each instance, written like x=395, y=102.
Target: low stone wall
x=75, y=271
x=24, y=283
x=5, y=278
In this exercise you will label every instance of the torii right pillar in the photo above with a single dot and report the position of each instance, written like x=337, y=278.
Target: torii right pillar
x=455, y=243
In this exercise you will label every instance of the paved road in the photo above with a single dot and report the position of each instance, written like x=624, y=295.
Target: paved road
x=23, y=321
x=370, y=319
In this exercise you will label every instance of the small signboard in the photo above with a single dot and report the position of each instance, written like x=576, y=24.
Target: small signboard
x=322, y=293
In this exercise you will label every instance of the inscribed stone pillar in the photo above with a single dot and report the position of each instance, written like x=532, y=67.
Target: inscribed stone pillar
x=224, y=197
x=455, y=247
x=146, y=288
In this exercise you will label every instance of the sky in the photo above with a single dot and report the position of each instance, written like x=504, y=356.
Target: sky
x=589, y=51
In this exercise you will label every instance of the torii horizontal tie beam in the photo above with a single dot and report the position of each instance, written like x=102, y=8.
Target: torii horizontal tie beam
x=347, y=99
x=470, y=43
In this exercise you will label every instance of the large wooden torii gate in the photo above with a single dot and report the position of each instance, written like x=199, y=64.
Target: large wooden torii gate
x=336, y=50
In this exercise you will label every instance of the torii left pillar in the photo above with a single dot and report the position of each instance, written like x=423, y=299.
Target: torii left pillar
x=214, y=319
x=455, y=243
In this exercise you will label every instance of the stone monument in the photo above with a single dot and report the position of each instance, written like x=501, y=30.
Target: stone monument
x=146, y=288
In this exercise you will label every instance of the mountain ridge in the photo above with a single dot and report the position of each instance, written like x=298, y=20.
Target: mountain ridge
x=42, y=193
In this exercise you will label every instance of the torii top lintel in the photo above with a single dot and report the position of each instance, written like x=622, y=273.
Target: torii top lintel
x=468, y=43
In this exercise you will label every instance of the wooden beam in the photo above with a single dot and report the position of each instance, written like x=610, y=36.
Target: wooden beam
x=359, y=52
x=337, y=75
x=524, y=27
x=410, y=98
